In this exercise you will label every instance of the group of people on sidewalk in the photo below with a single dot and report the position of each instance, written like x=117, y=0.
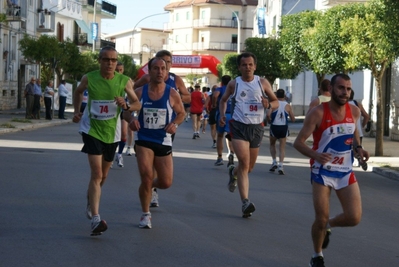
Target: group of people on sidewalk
x=33, y=94
x=154, y=110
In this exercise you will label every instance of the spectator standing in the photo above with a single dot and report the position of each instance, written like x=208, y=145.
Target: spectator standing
x=63, y=94
x=48, y=98
x=29, y=96
x=36, y=99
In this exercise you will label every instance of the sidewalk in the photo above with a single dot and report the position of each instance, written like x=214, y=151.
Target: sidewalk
x=14, y=120
x=378, y=165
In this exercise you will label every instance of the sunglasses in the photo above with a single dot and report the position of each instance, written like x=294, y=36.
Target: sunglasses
x=106, y=59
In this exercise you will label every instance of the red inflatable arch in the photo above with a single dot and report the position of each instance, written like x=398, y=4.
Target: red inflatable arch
x=189, y=61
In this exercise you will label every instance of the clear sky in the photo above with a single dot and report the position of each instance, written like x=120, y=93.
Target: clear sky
x=130, y=12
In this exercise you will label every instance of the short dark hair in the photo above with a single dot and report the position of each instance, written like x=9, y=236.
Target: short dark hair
x=119, y=63
x=245, y=55
x=280, y=93
x=324, y=85
x=226, y=79
x=162, y=53
x=339, y=75
x=106, y=48
x=154, y=59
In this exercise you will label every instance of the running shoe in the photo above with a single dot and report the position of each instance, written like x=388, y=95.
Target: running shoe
x=231, y=160
x=145, y=221
x=326, y=238
x=129, y=151
x=232, y=185
x=88, y=209
x=247, y=209
x=194, y=135
x=273, y=167
x=219, y=162
x=97, y=228
x=280, y=170
x=197, y=135
x=214, y=145
x=317, y=262
x=154, y=198
x=120, y=161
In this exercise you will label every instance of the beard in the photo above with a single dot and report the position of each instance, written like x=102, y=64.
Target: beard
x=339, y=101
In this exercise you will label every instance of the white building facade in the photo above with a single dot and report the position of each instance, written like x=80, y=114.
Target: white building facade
x=61, y=18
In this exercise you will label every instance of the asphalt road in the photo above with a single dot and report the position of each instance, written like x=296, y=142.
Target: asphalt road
x=44, y=180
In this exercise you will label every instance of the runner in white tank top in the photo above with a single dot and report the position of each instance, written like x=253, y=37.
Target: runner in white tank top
x=249, y=102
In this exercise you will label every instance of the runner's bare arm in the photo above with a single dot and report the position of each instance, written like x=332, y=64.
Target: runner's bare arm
x=78, y=97
x=142, y=81
x=185, y=95
x=134, y=102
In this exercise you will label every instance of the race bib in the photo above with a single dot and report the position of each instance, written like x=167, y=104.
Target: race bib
x=103, y=109
x=341, y=161
x=253, y=109
x=154, y=118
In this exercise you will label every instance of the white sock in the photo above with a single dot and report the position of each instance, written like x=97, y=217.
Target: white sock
x=95, y=218
x=320, y=254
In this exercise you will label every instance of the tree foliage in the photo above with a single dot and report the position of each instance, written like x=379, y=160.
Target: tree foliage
x=271, y=64
x=372, y=41
x=291, y=32
x=230, y=65
x=52, y=55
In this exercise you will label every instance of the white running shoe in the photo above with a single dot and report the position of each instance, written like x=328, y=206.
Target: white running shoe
x=273, y=167
x=129, y=151
x=145, y=221
x=120, y=161
x=154, y=198
x=280, y=170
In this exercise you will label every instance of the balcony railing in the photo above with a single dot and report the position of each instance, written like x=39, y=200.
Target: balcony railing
x=16, y=12
x=338, y=2
x=103, y=7
x=204, y=23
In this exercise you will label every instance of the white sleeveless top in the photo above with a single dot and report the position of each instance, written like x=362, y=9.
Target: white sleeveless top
x=280, y=115
x=247, y=101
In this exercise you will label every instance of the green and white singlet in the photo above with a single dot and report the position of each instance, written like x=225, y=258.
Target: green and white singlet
x=101, y=118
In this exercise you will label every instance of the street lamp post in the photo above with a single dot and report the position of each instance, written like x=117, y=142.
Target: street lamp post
x=134, y=28
x=238, y=26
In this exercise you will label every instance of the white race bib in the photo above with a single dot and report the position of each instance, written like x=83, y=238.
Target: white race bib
x=154, y=118
x=253, y=109
x=103, y=109
x=341, y=161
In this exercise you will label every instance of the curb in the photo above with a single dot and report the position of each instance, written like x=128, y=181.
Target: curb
x=385, y=172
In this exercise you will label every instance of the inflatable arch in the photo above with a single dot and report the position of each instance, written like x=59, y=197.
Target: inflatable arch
x=189, y=61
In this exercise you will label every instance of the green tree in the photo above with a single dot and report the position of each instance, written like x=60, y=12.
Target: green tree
x=291, y=32
x=271, y=63
x=323, y=43
x=372, y=41
x=52, y=55
x=229, y=65
x=191, y=78
x=130, y=68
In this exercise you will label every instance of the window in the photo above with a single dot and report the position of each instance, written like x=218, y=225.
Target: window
x=234, y=38
x=177, y=17
x=203, y=14
x=188, y=15
x=14, y=47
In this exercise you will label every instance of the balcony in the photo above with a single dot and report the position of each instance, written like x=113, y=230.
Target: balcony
x=16, y=12
x=215, y=46
x=46, y=21
x=340, y=2
x=80, y=39
x=104, y=8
